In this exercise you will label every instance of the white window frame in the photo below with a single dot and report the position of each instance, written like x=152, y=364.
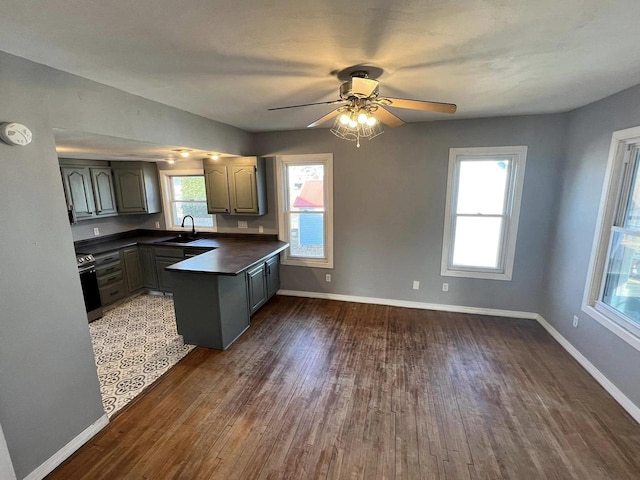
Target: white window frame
x=165, y=179
x=281, y=163
x=518, y=157
x=621, y=143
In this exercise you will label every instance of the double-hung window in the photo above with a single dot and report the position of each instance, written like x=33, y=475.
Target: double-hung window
x=305, y=208
x=612, y=294
x=481, y=217
x=184, y=194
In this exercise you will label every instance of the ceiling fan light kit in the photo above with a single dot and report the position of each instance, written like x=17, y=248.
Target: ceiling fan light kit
x=362, y=111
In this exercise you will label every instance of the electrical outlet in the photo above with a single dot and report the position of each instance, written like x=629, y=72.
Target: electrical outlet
x=445, y=287
x=260, y=229
x=242, y=224
x=327, y=277
x=157, y=224
x=575, y=321
x=96, y=231
x=416, y=285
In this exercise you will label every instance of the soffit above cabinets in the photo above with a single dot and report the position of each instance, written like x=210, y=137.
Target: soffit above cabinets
x=91, y=146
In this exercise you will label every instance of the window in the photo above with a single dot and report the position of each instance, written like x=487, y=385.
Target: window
x=184, y=194
x=305, y=208
x=612, y=294
x=481, y=217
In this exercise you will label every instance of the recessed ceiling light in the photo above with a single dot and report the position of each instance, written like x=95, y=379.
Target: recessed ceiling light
x=184, y=154
x=171, y=161
x=214, y=156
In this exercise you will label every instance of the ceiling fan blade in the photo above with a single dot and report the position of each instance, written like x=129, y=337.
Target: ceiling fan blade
x=417, y=105
x=363, y=87
x=387, y=117
x=327, y=117
x=332, y=102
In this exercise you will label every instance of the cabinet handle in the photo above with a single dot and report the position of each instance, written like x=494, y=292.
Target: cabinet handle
x=114, y=293
x=112, y=278
x=110, y=269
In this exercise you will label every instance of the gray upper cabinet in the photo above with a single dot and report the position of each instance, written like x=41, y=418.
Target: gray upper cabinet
x=137, y=187
x=103, y=193
x=236, y=185
x=216, y=178
x=77, y=187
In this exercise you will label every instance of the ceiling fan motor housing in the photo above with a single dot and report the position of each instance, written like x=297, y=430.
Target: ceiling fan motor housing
x=354, y=88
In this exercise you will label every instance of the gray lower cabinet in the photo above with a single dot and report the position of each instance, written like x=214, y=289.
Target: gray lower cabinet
x=119, y=274
x=166, y=256
x=137, y=187
x=263, y=281
x=257, y=287
x=111, y=279
x=148, y=263
x=133, y=269
x=273, y=275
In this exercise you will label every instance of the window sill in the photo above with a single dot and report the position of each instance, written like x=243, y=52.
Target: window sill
x=306, y=262
x=476, y=274
x=612, y=326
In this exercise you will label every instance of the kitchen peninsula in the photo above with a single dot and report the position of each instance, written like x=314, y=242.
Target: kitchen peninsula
x=216, y=292
x=217, y=280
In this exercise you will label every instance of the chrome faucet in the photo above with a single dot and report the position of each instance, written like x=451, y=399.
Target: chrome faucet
x=193, y=224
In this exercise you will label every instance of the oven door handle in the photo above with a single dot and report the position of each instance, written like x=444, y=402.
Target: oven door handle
x=87, y=269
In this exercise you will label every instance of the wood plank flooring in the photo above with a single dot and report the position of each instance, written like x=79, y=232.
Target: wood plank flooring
x=336, y=390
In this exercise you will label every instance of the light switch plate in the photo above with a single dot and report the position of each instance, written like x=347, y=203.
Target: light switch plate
x=96, y=231
x=242, y=224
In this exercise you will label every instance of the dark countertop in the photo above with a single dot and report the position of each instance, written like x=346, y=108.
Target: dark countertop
x=231, y=253
x=230, y=257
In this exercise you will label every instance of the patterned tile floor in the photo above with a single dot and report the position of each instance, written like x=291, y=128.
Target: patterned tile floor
x=134, y=344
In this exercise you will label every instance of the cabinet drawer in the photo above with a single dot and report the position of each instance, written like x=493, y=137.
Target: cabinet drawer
x=109, y=269
x=113, y=292
x=169, y=252
x=105, y=258
x=110, y=278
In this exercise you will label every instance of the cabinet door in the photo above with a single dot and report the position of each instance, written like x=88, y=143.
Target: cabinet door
x=148, y=262
x=216, y=180
x=273, y=275
x=133, y=269
x=103, y=193
x=243, y=189
x=257, y=287
x=130, y=190
x=77, y=185
x=164, y=280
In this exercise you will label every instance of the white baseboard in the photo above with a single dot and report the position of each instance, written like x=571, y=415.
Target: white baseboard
x=65, y=452
x=408, y=304
x=631, y=408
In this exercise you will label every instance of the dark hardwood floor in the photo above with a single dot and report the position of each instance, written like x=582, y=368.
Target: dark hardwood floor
x=324, y=389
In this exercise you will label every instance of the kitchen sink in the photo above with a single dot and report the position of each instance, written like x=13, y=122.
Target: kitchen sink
x=181, y=239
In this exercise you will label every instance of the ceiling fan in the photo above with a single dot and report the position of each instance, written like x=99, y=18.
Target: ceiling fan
x=362, y=110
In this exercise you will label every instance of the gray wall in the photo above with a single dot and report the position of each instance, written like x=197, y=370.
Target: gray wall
x=389, y=199
x=50, y=391
x=587, y=150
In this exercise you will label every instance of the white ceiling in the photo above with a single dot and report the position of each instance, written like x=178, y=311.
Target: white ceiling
x=232, y=60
